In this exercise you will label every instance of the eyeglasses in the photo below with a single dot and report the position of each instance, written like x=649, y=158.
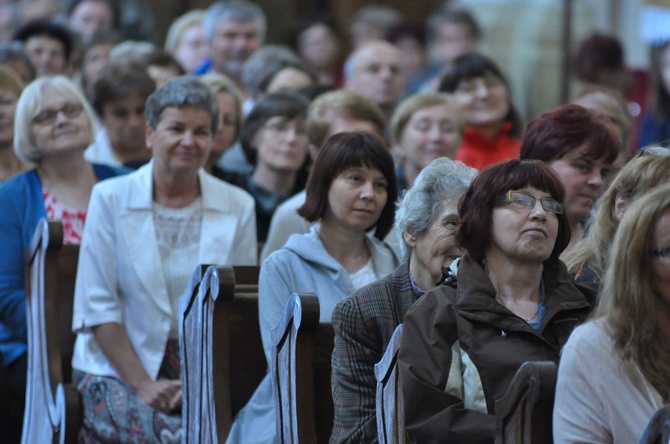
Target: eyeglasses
x=470, y=86
x=283, y=126
x=520, y=198
x=48, y=116
x=663, y=253
x=654, y=150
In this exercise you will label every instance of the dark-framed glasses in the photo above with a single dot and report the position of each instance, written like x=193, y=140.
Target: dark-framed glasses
x=523, y=199
x=662, y=253
x=48, y=116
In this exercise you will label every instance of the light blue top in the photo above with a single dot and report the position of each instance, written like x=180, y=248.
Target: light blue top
x=302, y=265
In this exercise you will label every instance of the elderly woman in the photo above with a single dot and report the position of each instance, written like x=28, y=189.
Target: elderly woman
x=229, y=100
x=492, y=125
x=274, y=140
x=52, y=127
x=588, y=260
x=580, y=146
x=423, y=128
x=11, y=87
x=155, y=225
x=623, y=352
x=427, y=222
x=351, y=191
x=514, y=302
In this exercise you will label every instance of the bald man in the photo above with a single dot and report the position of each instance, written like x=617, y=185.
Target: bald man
x=374, y=71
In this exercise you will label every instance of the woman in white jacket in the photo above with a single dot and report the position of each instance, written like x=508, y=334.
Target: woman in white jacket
x=144, y=236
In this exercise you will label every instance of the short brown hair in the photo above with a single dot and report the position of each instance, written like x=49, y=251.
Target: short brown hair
x=476, y=206
x=118, y=81
x=343, y=151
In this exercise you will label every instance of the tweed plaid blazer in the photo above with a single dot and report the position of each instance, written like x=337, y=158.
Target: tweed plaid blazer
x=364, y=323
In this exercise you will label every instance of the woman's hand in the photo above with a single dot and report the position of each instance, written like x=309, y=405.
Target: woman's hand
x=164, y=394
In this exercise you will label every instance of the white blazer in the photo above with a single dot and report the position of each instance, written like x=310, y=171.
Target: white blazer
x=120, y=278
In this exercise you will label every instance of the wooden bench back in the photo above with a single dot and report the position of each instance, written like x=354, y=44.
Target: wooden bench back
x=301, y=366
x=524, y=414
x=221, y=350
x=658, y=430
x=53, y=405
x=390, y=408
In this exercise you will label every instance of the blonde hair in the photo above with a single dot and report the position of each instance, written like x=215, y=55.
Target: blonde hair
x=220, y=83
x=342, y=103
x=25, y=147
x=180, y=25
x=636, y=177
x=10, y=80
x=627, y=299
x=416, y=102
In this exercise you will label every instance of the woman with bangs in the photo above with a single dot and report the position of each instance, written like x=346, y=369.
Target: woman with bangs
x=351, y=193
x=492, y=124
x=580, y=146
x=514, y=302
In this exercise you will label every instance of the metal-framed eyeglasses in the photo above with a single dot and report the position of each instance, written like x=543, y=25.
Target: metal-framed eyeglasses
x=524, y=199
x=48, y=116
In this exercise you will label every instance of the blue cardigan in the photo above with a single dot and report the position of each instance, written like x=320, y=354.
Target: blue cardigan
x=21, y=207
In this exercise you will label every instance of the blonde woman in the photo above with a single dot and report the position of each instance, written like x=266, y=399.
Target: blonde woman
x=589, y=258
x=615, y=369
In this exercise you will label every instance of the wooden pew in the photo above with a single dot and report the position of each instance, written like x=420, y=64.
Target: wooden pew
x=658, y=430
x=222, y=359
x=53, y=405
x=524, y=414
x=390, y=408
x=301, y=366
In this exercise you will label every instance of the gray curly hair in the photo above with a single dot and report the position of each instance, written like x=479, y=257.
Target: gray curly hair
x=442, y=180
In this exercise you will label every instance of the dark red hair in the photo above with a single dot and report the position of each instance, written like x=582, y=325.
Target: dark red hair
x=476, y=205
x=552, y=135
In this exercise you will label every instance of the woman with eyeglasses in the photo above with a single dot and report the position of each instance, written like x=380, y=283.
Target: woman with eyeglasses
x=274, y=141
x=588, y=260
x=53, y=125
x=511, y=301
x=615, y=369
x=492, y=125
x=580, y=146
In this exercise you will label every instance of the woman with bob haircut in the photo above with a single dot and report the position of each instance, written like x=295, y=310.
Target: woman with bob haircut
x=155, y=226
x=274, y=141
x=492, y=125
x=580, y=146
x=622, y=353
x=425, y=127
x=351, y=192
x=426, y=224
x=514, y=302
x=53, y=125
x=588, y=260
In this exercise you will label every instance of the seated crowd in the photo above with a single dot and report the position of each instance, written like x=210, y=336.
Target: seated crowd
x=396, y=195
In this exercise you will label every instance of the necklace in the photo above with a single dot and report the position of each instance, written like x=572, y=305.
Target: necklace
x=537, y=310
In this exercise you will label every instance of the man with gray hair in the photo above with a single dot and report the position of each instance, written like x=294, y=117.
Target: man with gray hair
x=235, y=29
